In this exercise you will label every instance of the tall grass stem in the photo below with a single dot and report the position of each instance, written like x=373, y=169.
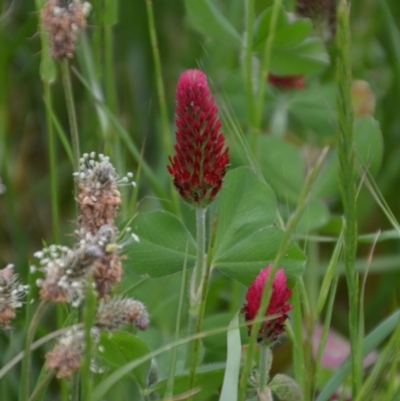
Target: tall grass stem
x=347, y=180
x=73, y=124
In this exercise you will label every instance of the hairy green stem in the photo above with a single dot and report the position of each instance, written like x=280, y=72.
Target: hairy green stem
x=347, y=179
x=52, y=165
x=264, y=367
x=69, y=99
x=197, y=279
x=199, y=323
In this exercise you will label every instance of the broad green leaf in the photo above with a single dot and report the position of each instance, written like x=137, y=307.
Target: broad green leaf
x=293, y=52
x=304, y=58
x=368, y=144
x=208, y=379
x=246, y=238
x=282, y=166
x=231, y=378
x=315, y=108
x=163, y=240
x=123, y=347
x=288, y=34
x=208, y=20
x=245, y=260
x=244, y=205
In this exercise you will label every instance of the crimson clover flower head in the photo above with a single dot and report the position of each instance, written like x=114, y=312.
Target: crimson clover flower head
x=278, y=305
x=199, y=164
x=286, y=81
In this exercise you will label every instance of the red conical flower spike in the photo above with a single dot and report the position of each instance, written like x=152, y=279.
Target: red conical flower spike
x=199, y=164
x=278, y=305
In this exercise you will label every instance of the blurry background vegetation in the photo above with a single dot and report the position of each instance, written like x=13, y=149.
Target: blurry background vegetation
x=25, y=218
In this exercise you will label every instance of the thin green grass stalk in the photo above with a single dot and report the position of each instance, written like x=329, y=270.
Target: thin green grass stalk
x=135, y=192
x=169, y=389
x=361, y=326
x=26, y=364
x=393, y=371
x=325, y=331
x=328, y=277
x=61, y=135
x=161, y=96
x=197, y=280
x=265, y=63
x=347, y=178
x=110, y=18
x=159, y=80
x=381, y=202
x=203, y=301
x=293, y=220
x=87, y=62
x=312, y=278
x=53, y=167
x=248, y=64
x=89, y=314
x=48, y=75
x=69, y=98
x=296, y=336
x=391, y=349
x=308, y=323
x=41, y=386
x=371, y=342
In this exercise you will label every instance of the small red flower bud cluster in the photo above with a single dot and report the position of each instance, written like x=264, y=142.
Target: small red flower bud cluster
x=278, y=305
x=201, y=158
x=286, y=81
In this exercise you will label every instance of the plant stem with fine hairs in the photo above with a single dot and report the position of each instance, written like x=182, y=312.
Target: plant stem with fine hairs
x=347, y=180
x=69, y=99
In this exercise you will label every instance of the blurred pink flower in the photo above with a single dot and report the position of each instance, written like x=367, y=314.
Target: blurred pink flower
x=199, y=164
x=286, y=81
x=278, y=305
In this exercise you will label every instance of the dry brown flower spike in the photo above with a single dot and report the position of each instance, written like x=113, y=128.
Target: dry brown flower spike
x=62, y=19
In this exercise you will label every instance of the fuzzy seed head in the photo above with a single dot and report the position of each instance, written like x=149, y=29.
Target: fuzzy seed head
x=278, y=305
x=66, y=356
x=201, y=158
x=67, y=270
x=11, y=294
x=116, y=312
x=62, y=20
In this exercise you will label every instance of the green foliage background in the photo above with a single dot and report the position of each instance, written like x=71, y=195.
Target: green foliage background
x=305, y=117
